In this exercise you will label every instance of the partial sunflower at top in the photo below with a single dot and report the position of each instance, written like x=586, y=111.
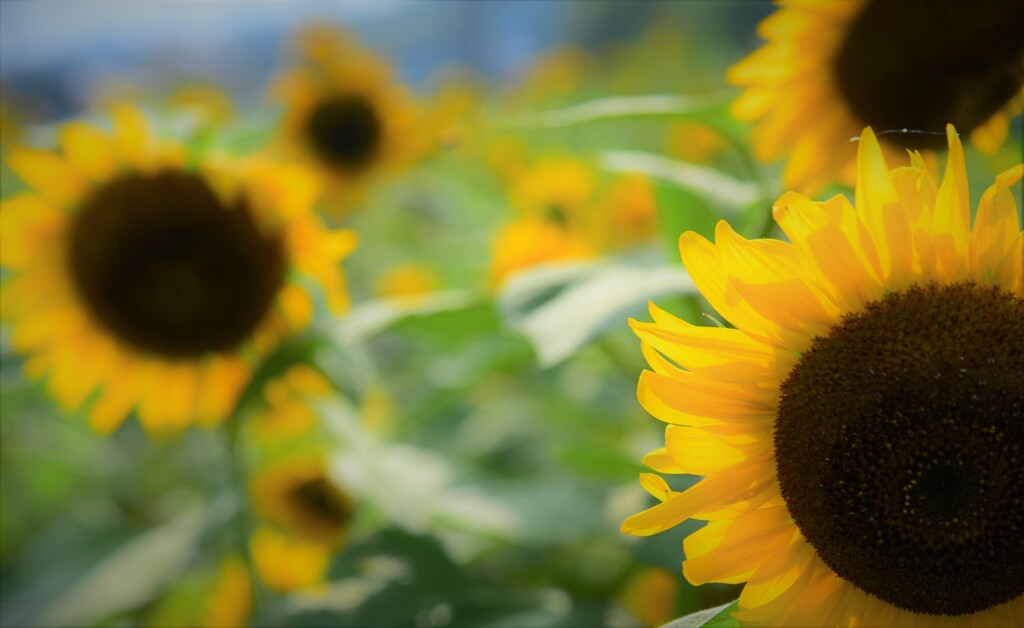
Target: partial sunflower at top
x=140, y=282
x=904, y=68
x=346, y=114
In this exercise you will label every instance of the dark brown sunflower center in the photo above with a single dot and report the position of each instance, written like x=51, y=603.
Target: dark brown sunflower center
x=344, y=131
x=165, y=266
x=899, y=446
x=920, y=64
x=322, y=501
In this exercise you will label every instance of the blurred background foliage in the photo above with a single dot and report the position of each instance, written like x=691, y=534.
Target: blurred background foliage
x=473, y=417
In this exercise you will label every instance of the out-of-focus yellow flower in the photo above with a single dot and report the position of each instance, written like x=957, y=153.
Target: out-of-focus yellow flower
x=454, y=110
x=694, y=142
x=297, y=495
x=555, y=189
x=507, y=157
x=230, y=602
x=409, y=281
x=557, y=73
x=532, y=241
x=290, y=411
x=830, y=68
x=140, y=283
x=207, y=103
x=651, y=596
x=651, y=62
x=629, y=211
x=345, y=113
x=286, y=563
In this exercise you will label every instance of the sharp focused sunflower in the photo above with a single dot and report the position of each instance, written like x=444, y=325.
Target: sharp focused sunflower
x=831, y=68
x=345, y=113
x=140, y=282
x=861, y=429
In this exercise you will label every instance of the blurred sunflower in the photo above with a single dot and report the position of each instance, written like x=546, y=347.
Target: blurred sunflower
x=230, y=601
x=298, y=496
x=550, y=196
x=209, y=105
x=831, y=68
x=528, y=242
x=345, y=113
x=861, y=428
x=141, y=282
x=288, y=412
x=629, y=211
x=286, y=562
x=408, y=282
x=555, y=189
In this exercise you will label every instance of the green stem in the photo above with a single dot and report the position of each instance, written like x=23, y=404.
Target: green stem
x=239, y=479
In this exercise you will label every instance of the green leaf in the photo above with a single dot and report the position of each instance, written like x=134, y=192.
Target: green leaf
x=717, y=617
x=601, y=296
x=680, y=211
x=373, y=317
x=129, y=577
x=720, y=190
x=624, y=107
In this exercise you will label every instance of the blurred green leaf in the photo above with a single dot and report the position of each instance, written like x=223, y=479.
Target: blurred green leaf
x=727, y=194
x=680, y=211
x=130, y=576
x=580, y=312
x=373, y=317
x=624, y=107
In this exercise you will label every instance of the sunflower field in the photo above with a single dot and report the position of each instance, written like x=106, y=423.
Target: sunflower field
x=511, y=314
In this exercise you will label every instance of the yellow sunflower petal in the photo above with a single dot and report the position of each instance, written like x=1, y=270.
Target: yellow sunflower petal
x=112, y=407
x=723, y=354
x=777, y=579
x=221, y=383
x=89, y=150
x=878, y=206
x=655, y=485
x=661, y=461
x=820, y=234
x=698, y=401
x=49, y=174
x=131, y=136
x=701, y=260
x=996, y=231
x=26, y=222
x=952, y=215
x=730, y=551
x=701, y=452
x=710, y=493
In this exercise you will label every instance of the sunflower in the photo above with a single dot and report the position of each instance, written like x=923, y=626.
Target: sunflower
x=286, y=563
x=290, y=410
x=629, y=211
x=298, y=496
x=230, y=600
x=831, y=68
x=528, y=242
x=139, y=281
x=409, y=282
x=861, y=429
x=346, y=114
